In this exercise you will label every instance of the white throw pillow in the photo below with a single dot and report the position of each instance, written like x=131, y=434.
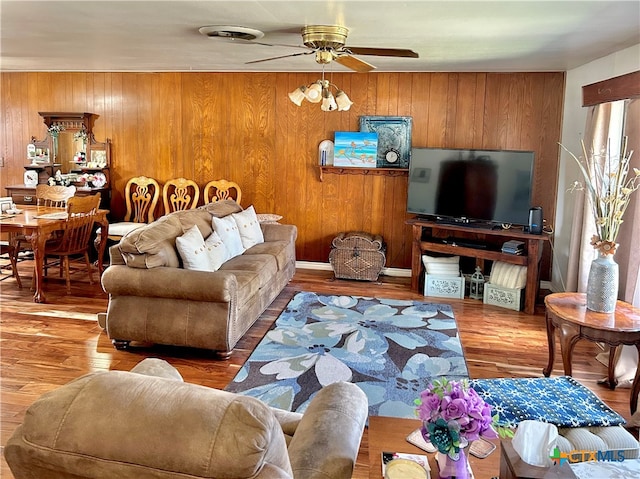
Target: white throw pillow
x=249, y=227
x=508, y=275
x=200, y=254
x=442, y=266
x=227, y=229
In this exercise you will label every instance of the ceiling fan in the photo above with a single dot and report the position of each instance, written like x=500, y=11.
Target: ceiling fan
x=327, y=42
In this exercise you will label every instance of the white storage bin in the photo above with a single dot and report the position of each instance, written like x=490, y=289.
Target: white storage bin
x=511, y=298
x=444, y=286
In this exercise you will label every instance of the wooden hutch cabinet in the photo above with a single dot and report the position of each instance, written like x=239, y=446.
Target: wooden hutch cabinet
x=70, y=155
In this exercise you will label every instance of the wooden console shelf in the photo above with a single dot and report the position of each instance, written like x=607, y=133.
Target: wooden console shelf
x=428, y=236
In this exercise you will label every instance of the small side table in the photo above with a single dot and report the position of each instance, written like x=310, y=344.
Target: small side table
x=569, y=314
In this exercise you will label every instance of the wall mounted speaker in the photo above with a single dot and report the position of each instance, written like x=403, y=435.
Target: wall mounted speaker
x=535, y=220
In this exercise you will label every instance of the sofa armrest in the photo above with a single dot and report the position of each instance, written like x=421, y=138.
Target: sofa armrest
x=326, y=442
x=165, y=282
x=278, y=232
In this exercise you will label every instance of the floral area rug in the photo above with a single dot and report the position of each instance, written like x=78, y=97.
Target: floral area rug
x=389, y=348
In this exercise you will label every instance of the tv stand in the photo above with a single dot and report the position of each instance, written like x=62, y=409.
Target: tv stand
x=429, y=236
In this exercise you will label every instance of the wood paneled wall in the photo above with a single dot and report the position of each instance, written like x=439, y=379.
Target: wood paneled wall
x=242, y=126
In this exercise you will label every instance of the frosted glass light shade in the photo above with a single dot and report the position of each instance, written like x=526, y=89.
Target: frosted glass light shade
x=297, y=95
x=343, y=101
x=314, y=93
x=328, y=102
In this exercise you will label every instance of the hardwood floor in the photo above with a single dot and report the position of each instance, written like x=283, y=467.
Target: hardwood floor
x=44, y=346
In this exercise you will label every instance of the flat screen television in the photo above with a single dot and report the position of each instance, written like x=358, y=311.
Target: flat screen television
x=471, y=186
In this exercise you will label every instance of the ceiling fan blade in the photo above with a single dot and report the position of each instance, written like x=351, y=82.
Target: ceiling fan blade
x=354, y=63
x=382, y=52
x=282, y=56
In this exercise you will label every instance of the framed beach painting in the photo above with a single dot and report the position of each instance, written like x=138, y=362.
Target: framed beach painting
x=355, y=149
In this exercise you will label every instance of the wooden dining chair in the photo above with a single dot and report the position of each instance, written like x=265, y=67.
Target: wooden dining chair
x=76, y=235
x=217, y=190
x=180, y=194
x=55, y=196
x=141, y=196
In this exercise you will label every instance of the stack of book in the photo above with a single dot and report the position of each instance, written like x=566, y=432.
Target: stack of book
x=513, y=247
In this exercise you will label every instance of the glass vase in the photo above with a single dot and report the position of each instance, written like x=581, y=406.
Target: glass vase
x=450, y=469
x=602, y=284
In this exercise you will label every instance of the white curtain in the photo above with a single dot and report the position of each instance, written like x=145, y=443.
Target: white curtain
x=603, y=130
x=611, y=122
x=629, y=257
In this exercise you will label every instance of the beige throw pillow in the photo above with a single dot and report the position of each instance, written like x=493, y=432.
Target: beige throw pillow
x=508, y=275
x=200, y=254
x=227, y=229
x=249, y=227
x=268, y=218
x=442, y=266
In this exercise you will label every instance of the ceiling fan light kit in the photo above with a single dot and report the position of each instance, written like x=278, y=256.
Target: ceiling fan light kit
x=328, y=44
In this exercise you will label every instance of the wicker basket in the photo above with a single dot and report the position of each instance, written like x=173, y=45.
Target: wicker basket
x=357, y=255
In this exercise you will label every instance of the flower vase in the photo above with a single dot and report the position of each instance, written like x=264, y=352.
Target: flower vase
x=450, y=469
x=602, y=284
x=55, y=147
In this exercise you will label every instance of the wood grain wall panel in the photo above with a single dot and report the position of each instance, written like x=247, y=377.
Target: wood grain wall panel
x=242, y=126
x=420, y=107
x=437, y=119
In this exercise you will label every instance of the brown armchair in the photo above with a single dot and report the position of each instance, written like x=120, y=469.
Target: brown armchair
x=148, y=424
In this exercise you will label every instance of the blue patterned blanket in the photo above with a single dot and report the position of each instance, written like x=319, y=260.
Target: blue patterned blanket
x=390, y=348
x=562, y=401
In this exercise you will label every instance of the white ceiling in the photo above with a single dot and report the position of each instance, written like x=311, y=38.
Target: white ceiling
x=459, y=36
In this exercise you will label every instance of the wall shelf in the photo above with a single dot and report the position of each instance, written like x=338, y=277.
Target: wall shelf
x=345, y=170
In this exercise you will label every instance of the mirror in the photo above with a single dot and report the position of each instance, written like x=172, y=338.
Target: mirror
x=69, y=145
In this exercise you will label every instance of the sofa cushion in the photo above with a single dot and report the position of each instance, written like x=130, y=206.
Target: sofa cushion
x=277, y=249
x=252, y=272
x=200, y=254
x=222, y=208
x=227, y=229
x=199, y=218
x=155, y=243
x=249, y=227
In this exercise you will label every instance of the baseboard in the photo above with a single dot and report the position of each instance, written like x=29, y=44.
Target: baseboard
x=398, y=272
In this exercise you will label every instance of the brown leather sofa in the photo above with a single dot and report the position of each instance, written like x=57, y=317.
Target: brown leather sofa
x=133, y=425
x=152, y=299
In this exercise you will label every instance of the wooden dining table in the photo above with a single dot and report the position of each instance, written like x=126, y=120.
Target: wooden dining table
x=31, y=223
